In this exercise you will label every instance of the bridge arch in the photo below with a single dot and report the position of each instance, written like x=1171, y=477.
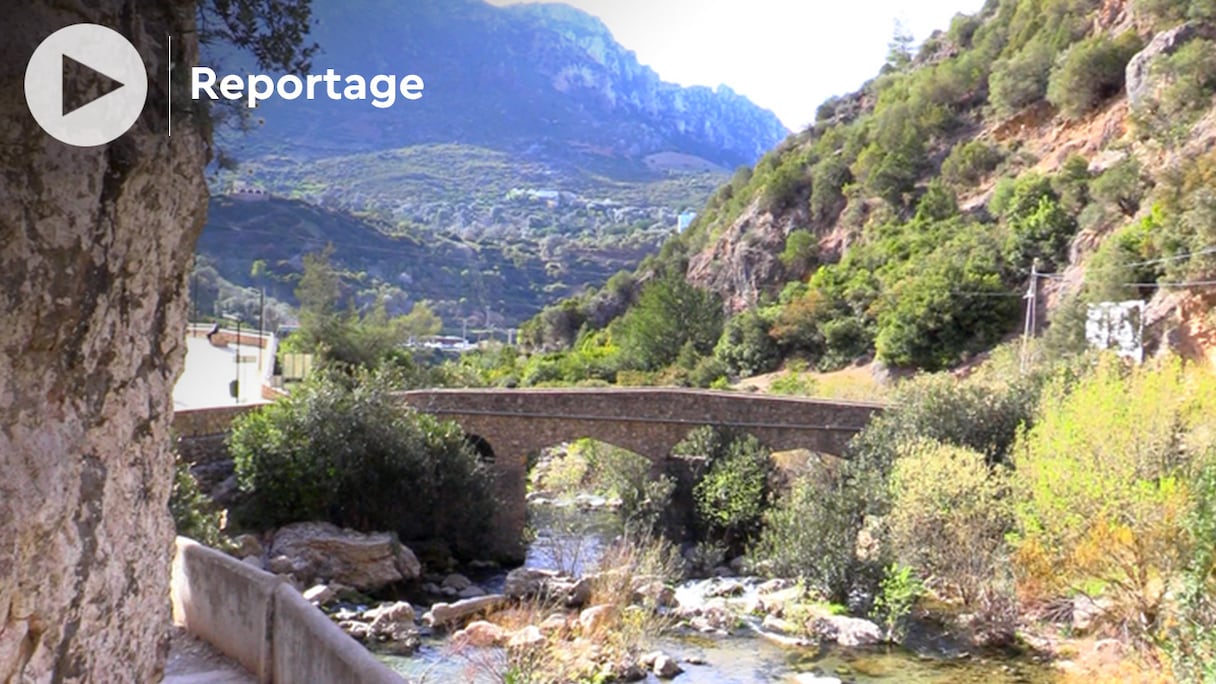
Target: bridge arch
x=510, y=424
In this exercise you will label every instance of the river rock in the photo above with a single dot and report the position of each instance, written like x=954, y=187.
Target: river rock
x=810, y=678
x=360, y=631
x=654, y=591
x=529, y=583
x=526, y=638
x=471, y=591
x=480, y=634
x=597, y=618
x=779, y=626
x=366, y=562
x=846, y=631
x=456, y=581
x=666, y=667
x=393, y=623
x=554, y=623
x=248, y=545
x=320, y=594
x=774, y=585
x=446, y=614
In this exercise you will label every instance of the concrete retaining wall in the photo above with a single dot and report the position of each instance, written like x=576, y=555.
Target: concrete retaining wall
x=263, y=623
x=309, y=647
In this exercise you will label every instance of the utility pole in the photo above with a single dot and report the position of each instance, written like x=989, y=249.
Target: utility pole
x=1032, y=296
x=261, y=329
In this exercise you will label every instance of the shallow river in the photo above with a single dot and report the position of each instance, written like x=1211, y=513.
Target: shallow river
x=739, y=659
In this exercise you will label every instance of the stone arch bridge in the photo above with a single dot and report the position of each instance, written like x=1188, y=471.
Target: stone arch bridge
x=508, y=425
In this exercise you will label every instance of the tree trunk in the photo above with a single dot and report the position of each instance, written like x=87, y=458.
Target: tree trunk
x=95, y=246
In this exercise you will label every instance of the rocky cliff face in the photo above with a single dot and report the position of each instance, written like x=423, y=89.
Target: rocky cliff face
x=94, y=245
x=536, y=79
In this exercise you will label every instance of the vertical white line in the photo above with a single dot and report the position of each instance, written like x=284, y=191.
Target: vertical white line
x=169, y=73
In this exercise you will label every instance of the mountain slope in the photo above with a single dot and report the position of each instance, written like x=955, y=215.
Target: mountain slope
x=491, y=282
x=1068, y=138
x=533, y=79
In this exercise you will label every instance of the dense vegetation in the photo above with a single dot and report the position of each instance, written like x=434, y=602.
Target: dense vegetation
x=341, y=449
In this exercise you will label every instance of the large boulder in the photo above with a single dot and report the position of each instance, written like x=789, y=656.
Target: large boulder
x=846, y=631
x=321, y=551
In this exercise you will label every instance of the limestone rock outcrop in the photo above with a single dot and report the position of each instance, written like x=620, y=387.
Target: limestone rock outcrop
x=95, y=249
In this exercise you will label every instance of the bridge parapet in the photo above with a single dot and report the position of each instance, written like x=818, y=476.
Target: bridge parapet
x=648, y=421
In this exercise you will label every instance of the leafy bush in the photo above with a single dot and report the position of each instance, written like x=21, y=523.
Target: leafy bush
x=800, y=252
x=1021, y=80
x=900, y=589
x=1189, y=639
x=343, y=450
x=733, y=494
x=1100, y=482
x=1090, y=72
x=1039, y=228
x=745, y=347
x=628, y=476
x=949, y=304
x=949, y=515
x=811, y=533
x=192, y=511
x=970, y=162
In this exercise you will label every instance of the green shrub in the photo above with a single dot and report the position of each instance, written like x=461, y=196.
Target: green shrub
x=669, y=314
x=1039, y=228
x=1121, y=187
x=1189, y=639
x=970, y=162
x=829, y=177
x=1100, y=484
x=949, y=515
x=733, y=494
x=800, y=253
x=343, y=450
x=811, y=534
x=1020, y=81
x=746, y=348
x=1090, y=72
x=900, y=589
x=193, y=513
x=628, y=476
x=982, y=413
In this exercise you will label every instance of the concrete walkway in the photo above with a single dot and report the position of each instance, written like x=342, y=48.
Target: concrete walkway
x=193, y=661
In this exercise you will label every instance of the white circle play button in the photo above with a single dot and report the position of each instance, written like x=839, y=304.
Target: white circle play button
x=85, y=85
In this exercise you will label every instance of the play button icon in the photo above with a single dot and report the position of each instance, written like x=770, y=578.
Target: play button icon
x=86, y=85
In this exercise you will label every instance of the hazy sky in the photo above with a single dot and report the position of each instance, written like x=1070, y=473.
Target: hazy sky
x=785, y=55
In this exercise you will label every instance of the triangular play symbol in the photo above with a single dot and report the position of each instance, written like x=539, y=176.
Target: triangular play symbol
x=83, y=84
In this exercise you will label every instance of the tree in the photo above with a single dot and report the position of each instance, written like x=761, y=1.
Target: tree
x=95, y=248
x=342, y=449
x=670, y=313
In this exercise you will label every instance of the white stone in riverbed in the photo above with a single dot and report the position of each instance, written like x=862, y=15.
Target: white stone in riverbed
x=666, y=667
x=480, y=634
x=320, y=594
x=526, y=638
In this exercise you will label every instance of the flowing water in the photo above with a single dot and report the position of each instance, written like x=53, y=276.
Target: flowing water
x=567, y=539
